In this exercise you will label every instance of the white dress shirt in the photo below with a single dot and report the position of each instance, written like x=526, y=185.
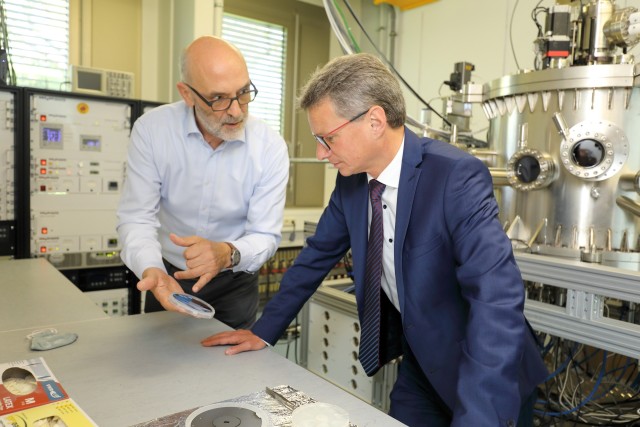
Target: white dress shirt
x=177, y=183
x=390, y=177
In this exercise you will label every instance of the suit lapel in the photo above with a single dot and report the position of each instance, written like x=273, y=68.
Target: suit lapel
x=360, y=209
x=409, y=175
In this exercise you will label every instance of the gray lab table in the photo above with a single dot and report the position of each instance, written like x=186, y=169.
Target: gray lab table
x=33, y=294
x=128, y=370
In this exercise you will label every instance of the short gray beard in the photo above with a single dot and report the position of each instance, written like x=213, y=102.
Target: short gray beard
x=216, y=129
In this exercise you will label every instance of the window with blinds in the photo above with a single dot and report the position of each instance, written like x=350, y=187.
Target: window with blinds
x=263, y=45
x=38, y=39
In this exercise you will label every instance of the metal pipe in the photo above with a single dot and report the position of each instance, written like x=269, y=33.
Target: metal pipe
x=488, y=157
x=392, y=35
x=561, y=125
x=453, y=139
x=338, y=29
x=533, y=238
x=628, y=205
x=629, y=182
x=499, y=177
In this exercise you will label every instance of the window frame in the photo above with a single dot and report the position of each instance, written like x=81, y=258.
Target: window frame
x=247, y=34
x=40, y=60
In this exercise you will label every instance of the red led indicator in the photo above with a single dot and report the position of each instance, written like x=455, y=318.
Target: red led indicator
x=43, y=188
x=43, y=118
x=44, y=230
x=43, y=162
x=43, y=249
x=43, y=171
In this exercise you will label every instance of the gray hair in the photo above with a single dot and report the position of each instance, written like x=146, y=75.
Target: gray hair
x=355, y=83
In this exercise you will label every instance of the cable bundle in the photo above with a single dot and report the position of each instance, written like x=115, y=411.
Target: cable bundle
x=588, y=386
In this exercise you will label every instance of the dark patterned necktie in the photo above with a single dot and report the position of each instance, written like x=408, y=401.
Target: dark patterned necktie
x=370, y=327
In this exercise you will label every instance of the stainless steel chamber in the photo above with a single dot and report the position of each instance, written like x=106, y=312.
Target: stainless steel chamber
x=567, y=176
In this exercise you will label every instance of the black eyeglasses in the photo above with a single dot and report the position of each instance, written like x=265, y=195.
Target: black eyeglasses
x=220, y=103
x=322, y=139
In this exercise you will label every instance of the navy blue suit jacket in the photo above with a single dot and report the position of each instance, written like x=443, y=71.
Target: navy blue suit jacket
x=460, y=291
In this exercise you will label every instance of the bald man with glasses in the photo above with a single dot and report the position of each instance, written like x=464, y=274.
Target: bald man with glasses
x=202, y=206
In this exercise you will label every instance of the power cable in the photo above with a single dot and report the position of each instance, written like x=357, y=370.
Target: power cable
x=390, y=65
x=513, y=50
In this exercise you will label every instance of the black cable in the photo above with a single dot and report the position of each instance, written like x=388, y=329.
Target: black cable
x=534, y=16
x=390, y=65
x=513, y=50
x=628, y=379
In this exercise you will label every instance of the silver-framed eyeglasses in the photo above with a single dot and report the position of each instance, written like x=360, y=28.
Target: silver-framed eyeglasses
x=220, y=103
x=322, y=140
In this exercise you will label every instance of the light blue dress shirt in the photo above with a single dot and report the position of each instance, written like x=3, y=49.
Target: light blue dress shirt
x=177, y=183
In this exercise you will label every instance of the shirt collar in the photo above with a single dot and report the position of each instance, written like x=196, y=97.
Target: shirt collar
x=390, y=176
x=190, y=126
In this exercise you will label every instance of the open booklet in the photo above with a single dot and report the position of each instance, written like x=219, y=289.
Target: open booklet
x=31, y=396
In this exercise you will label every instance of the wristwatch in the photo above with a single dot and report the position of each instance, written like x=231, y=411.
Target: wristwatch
x=235, y=255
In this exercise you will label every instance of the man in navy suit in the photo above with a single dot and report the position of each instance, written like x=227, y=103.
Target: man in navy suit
x=453, y=297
